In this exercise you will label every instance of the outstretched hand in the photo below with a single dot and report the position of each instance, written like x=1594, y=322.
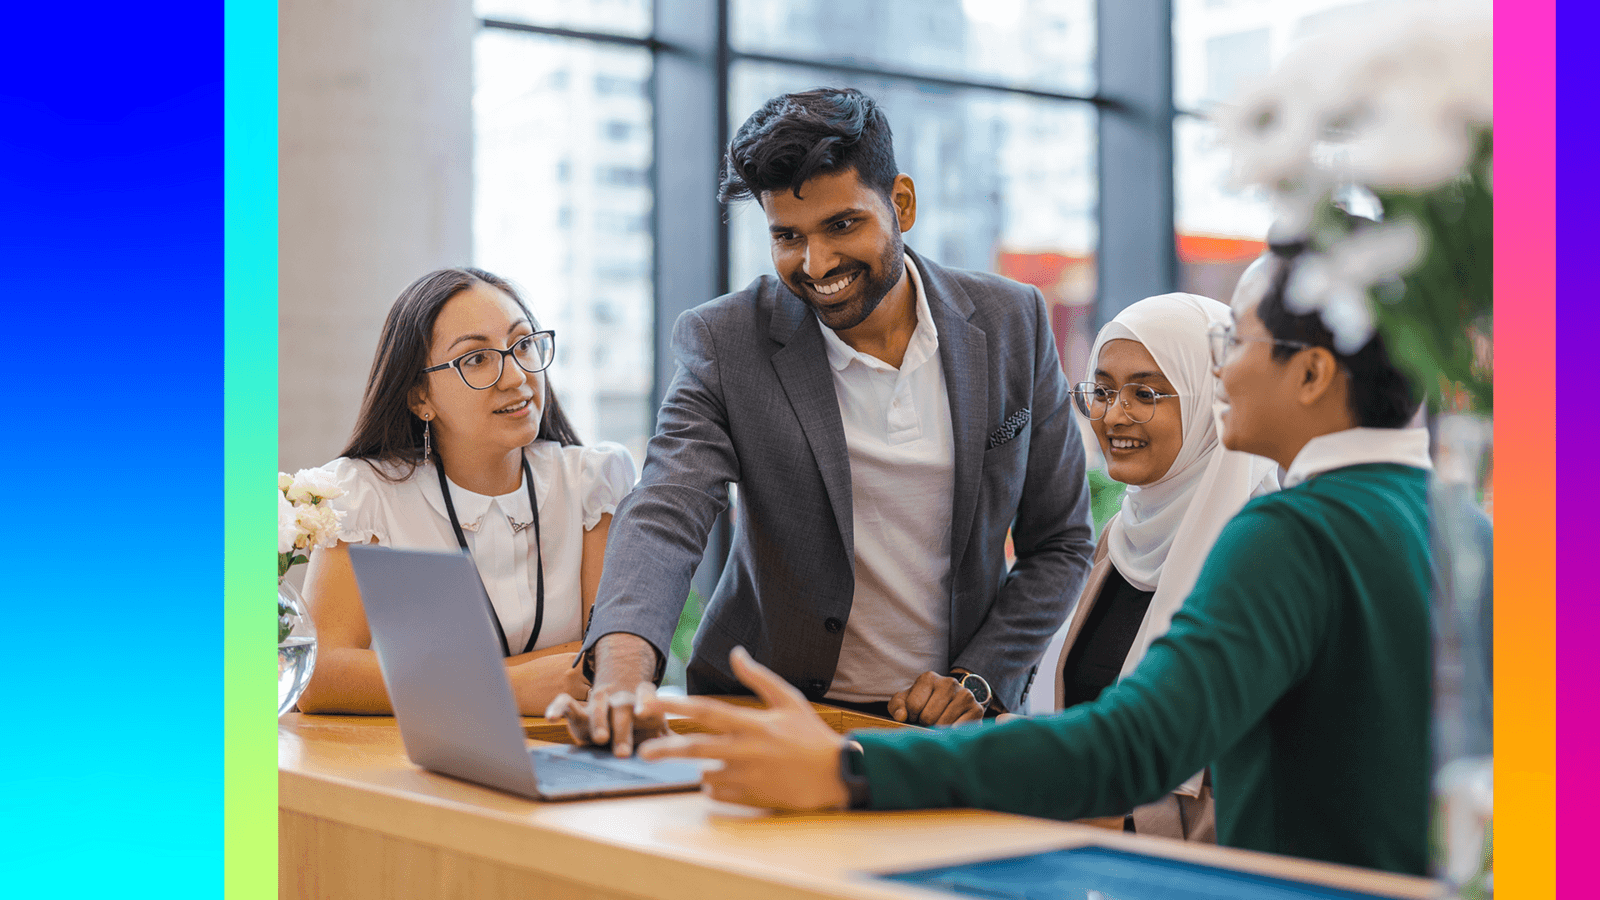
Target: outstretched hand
x=782, y=757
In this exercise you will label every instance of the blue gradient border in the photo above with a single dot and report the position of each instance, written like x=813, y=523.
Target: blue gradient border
x=111, y=188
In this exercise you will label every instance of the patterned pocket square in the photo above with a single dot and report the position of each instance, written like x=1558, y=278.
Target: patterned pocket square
x=1009, y=428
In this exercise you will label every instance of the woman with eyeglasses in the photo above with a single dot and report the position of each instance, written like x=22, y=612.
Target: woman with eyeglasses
x=1150, y=405
x=460, y=443
x=1298, y=668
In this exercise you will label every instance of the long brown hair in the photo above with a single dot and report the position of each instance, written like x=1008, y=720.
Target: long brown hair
x=386, y=429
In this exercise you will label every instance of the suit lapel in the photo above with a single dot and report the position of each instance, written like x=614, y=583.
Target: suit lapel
x=964, y=353
x=802, y=368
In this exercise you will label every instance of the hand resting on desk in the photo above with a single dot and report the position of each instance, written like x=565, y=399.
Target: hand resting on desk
x=614, y=714
x=935, y=699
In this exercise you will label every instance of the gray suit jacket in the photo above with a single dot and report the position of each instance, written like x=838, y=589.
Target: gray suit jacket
x=753, y=403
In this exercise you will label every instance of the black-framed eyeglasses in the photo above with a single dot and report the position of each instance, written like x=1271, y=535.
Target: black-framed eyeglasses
x=1138, y=400
x=1224, y=341
x=481, y=369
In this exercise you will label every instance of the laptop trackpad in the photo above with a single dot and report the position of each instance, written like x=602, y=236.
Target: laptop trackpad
x=568, y=771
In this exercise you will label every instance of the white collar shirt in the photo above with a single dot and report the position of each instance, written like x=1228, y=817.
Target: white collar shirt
x=902, y=475
x=1359, y=446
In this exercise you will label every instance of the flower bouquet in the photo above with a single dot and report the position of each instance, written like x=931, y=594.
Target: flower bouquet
x=1376, y=146
x=305, y=521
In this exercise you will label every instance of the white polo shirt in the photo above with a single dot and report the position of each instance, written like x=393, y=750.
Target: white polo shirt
x=902, y=478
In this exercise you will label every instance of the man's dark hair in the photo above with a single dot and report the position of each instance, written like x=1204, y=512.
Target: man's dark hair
x=1381, y=396
x=794, y=137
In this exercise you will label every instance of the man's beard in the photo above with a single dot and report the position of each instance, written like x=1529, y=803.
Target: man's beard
x=876, y=283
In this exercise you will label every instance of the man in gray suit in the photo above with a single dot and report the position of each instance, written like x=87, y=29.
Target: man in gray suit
x=887, y=421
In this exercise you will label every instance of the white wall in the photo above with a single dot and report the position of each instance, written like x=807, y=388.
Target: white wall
x=375, y=189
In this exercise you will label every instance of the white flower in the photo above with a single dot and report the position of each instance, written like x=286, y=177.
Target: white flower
x=1348, y=315
x=288, y=526
x=311, y=485
x=1379, y=252
x=318, y=525
x=1337, y=282
x=1403, y=94
x=284, y=481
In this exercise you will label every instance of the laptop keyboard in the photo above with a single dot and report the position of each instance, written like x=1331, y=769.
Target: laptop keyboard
x=569, y=772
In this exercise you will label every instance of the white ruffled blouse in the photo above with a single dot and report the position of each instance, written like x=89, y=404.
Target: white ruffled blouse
x=575, y=486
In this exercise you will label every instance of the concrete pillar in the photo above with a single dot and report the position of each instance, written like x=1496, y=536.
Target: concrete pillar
x=375, y=189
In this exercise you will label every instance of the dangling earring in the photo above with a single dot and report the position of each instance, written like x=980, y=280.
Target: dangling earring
x=427, y=438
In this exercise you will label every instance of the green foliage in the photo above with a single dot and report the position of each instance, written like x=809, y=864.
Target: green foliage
x=688, y=622
x=1438, y=319
x=1105, y=498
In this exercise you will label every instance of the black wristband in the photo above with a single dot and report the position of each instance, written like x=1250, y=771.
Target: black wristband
x=852, y=770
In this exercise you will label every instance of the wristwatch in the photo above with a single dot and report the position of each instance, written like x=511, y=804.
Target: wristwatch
x=852, y=772
x=974, y=682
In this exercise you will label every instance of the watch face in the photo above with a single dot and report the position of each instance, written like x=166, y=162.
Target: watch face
x=978, y=687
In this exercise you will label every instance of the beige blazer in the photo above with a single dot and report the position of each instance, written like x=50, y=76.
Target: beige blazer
x=1175, y=815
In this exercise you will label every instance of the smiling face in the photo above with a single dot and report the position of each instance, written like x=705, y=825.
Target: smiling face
x=1136, y=453
x=839, y=248
x=505, y=416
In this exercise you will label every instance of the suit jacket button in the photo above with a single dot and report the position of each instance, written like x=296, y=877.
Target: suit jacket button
x=833, y=625
x=818, y=686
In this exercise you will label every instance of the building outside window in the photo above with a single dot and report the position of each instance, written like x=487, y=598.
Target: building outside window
x=1220, y=49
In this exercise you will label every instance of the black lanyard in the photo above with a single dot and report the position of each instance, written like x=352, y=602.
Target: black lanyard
x=533, y=503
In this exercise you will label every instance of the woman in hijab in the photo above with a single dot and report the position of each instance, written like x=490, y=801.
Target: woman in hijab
x=1149, y=402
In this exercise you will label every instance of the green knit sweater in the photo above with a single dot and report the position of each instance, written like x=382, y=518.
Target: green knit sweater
x=1299, y=669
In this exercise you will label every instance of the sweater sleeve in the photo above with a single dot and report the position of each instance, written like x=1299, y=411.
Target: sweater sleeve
x=1248, y=632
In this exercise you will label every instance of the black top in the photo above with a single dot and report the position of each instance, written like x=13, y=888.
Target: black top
x=1097, y=656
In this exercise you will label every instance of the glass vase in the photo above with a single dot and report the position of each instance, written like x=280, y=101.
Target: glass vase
x=297, y=646
x=1460, y=501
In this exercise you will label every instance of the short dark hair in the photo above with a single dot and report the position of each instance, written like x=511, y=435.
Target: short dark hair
x=796, y=136
x=386, y=429
x=1381, y=396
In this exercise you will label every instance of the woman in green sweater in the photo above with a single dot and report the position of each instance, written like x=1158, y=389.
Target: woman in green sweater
x=1298, y=668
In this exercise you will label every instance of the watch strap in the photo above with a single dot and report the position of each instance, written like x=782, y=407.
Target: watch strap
x=853, y=772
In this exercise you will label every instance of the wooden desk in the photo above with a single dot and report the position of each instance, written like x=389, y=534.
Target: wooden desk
x=357, y=820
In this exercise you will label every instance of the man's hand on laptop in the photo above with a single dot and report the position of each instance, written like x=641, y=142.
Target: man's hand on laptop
x=624, y=666
x=935, y=699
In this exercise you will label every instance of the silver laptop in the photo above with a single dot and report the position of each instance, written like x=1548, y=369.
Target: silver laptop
x=441, y=662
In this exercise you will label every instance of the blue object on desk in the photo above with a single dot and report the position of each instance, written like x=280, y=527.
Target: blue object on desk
x=1095, y=873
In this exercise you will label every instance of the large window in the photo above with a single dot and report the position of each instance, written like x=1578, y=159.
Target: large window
x=564, y=197
x=1221, y=48
x=992, y=106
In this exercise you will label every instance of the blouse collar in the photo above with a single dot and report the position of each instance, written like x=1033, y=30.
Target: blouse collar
x=471, y=506
x=1359, y=446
